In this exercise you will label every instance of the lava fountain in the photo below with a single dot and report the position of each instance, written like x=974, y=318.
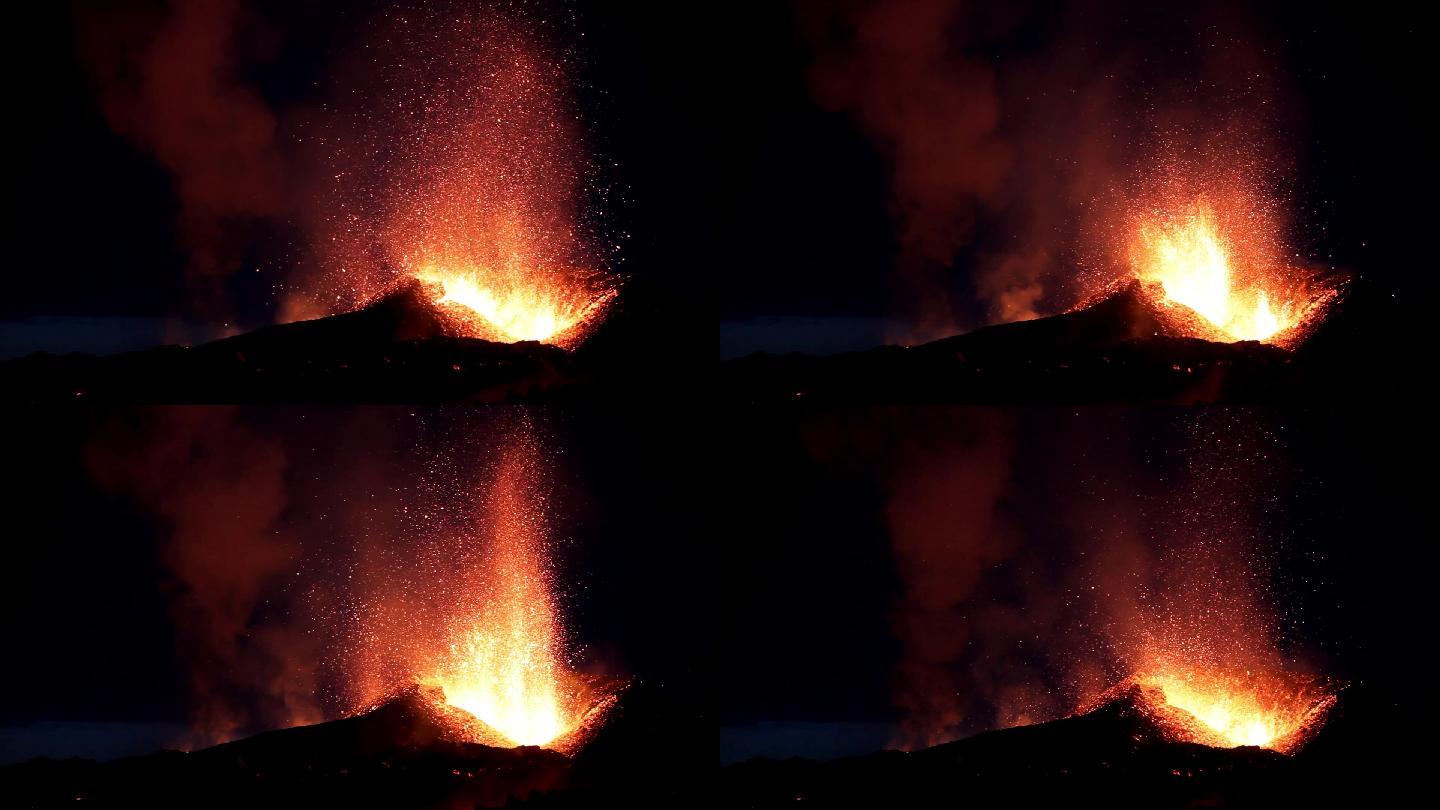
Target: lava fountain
x=1220, y=260
x=1206, y=647
x=1207, y=661
x=1191, y=259
x=462, y=166
x=502, y=662
x=1231, y=708
x=514, y=303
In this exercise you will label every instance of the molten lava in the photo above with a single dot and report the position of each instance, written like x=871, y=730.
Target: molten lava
x=462, y=164
x=1215, y=254
x=1231, y=709
x=1195, y=261
x=502, y=257
x=515, y=303
x=503, y=662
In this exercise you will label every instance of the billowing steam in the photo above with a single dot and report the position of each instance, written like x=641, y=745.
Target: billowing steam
x=902, y=70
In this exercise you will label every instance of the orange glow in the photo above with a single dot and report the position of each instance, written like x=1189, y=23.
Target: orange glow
x=515, y=302
x=502, y=665
x=1203, y=644
x=463, y=166
x=498, y=256
x=1231, y=709
x=1198, y=264
x=1210, y=246
x=502, y=662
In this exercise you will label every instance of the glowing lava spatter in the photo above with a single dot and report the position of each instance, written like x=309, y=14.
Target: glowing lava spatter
x=515, y=303
x=462, y=165
x=1231, y=709
x=490, y=221
x=1194, y=260
x=503, y=661
x=464, y=617
x=1208, y=659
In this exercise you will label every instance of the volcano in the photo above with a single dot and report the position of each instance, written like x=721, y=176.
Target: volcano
x=400, y=749
x=1124, y=346
x=407, y=752
x=402, y=347
x=1122, y=753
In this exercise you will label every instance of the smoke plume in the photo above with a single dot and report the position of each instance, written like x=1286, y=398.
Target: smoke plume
x=902, y=70
x=948, y=526
x=172, y=82
x=218, y=487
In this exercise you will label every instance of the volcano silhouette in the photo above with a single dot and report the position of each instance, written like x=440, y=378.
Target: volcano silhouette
x=399, y=754
x=1116, y=755
x=396, y=349
x=1125, y=346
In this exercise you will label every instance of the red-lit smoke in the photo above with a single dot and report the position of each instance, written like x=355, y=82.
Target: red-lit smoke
x=218, y=487
x=172, y=81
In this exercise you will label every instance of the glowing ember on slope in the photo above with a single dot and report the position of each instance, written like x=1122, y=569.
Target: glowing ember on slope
x=1229, y=709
